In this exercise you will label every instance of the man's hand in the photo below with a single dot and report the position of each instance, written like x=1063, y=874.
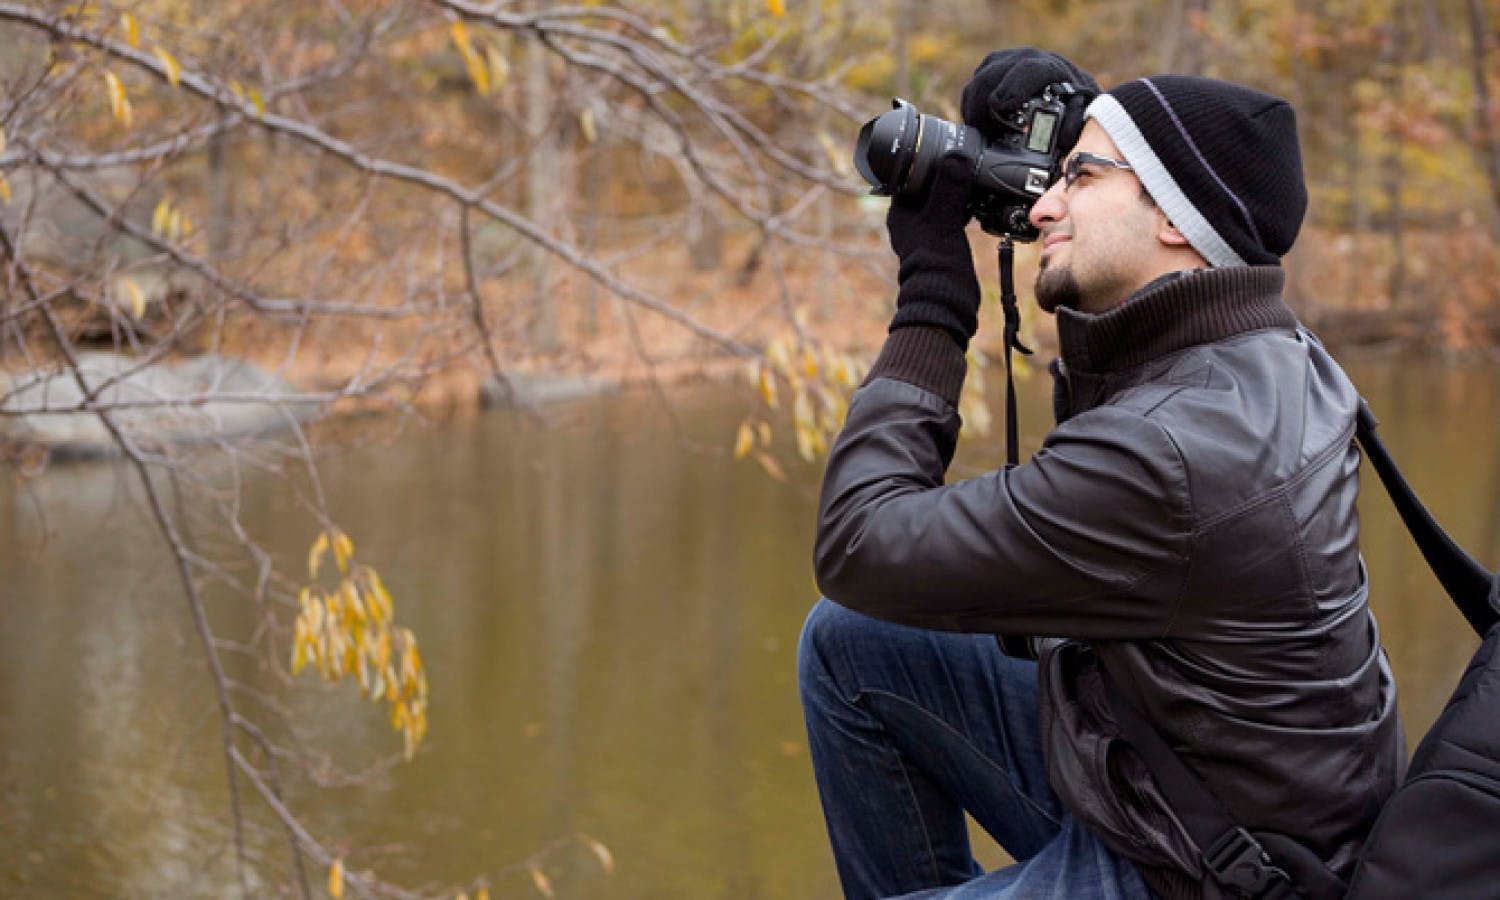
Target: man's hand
x=938, y=284
x=1008, y=78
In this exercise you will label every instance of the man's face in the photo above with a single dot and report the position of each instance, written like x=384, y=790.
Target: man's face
x=1099, y=236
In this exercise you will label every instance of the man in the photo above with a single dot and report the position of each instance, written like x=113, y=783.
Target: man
x=1187, y=532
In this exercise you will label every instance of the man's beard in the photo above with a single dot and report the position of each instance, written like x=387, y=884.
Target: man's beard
x=1057, y=287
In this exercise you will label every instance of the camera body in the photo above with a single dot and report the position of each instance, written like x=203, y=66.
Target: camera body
x=898, y=152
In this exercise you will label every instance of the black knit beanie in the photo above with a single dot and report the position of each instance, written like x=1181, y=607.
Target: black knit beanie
x=1220, y=160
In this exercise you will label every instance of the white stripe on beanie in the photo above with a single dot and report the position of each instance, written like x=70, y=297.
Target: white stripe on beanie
x=1160, y=184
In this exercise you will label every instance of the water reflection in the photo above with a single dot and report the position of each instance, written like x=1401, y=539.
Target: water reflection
x=609, y=607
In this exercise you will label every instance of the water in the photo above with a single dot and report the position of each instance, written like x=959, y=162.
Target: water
x=608, y=606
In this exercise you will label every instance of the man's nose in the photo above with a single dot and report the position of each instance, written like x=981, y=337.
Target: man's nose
x=1050, y=207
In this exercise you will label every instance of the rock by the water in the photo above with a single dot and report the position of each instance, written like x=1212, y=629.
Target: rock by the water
x=526, y=391
x=205, y=398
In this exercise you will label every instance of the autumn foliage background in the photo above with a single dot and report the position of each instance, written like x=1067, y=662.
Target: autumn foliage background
x=402, y=206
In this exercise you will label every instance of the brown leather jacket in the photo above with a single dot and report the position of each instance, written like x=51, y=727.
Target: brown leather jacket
x=1189, y=527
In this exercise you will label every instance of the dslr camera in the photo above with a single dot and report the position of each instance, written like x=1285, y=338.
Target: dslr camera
x=898, y=152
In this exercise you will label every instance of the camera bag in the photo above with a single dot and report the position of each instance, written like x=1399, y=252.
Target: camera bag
x=1432, y=837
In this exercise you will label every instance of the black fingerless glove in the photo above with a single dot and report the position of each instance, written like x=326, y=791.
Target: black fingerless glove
x=938, y=284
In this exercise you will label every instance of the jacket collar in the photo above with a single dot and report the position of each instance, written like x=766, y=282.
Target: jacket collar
x=1173, y=312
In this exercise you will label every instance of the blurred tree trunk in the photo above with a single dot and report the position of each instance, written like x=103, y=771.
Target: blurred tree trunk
x=903, y=63
x=1393, y=59
x=1483, y=115
x=542, y=171
x=1183, y=37
x=1357, y=210
x=594, y=186
x=220, y=199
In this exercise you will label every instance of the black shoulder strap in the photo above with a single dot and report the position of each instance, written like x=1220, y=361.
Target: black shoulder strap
x=1470, y=585
x=1234, y=857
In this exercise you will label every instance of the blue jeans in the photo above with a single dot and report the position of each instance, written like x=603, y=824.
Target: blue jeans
x=909, y=729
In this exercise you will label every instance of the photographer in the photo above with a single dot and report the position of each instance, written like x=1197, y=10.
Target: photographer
x=1186, y=538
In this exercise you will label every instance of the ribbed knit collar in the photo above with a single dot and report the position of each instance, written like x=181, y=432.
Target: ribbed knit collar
x=1172, y=313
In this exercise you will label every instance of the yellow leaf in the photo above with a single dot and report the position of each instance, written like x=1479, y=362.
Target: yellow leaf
x=478, y=73
x=777, y=7
x=744, y=441
x=2, y=140
x=460, y=33
x=174, y=224
x=4, y=190
x=763, y=433
x=586, y=123
x=336, y=879
x=498, y=65
x=543, y=885
x=137, y=299
x=315, y=556
x=482, y=894
x=132, y=29
x=238, y=89
x=159, y=217
x=168, y=62
x=119, y=104
x=777, y=353
x=258, y=102
x=343, y=551
x=771, y=467
x=768, y=388
x=606, y=859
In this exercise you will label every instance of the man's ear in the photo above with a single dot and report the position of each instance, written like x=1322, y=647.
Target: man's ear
x=1168, y=234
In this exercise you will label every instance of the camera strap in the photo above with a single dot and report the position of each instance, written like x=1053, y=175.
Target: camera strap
x=1012, y=342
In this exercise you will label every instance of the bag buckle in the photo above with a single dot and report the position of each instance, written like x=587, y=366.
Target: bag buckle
x=1239, y=862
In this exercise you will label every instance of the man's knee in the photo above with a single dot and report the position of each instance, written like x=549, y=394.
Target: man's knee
x=824, y=646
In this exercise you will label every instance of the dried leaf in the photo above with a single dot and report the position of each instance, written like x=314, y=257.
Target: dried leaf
x=460, y=33
x=772, y=468
x=259, y=102
x=315, y=555
x=482, y=894
x=768, y=388
x=763, y=433
x=132, y=29
x=543, y=884
x=159, y=217
x=119, y=104
x=4, y=190
x=336, y=879
x=343, y=551
x=606, y=859
x=744, y=441
x=135, y=296
x=478, y=73
x=588, y=126
x=498, y=65
x=169, y=62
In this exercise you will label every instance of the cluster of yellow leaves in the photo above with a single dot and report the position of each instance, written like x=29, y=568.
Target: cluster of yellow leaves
x=170, y=222
x=819, y=378
x=488, y=68
x=349, y=630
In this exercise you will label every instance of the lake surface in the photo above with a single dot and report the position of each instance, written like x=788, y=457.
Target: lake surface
x=608, y=606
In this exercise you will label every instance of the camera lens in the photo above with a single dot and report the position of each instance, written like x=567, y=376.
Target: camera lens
x=885, y=149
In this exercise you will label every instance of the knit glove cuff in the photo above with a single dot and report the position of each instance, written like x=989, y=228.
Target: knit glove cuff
x=938, y=286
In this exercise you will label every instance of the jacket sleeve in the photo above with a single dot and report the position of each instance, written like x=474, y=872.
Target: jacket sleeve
x=1089, y=538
